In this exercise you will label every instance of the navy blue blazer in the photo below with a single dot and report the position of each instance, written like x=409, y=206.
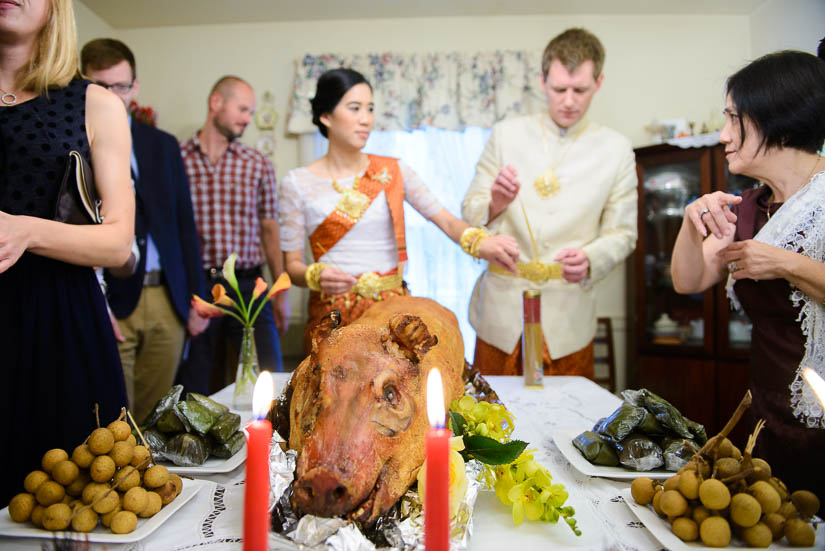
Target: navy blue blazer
x=163, y=189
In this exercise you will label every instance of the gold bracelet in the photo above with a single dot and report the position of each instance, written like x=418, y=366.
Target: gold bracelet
x=471, y=239
x=312, y=275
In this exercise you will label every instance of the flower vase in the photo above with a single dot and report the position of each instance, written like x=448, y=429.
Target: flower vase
x=248, y=371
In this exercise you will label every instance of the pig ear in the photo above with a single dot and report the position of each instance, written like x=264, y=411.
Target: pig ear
x=411, y=335
x=324, y=328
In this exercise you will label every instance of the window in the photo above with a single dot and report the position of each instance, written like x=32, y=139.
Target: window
x=437, y=267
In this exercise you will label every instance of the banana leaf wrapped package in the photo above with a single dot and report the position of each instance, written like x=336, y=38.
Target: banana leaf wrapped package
x=677, y=452
x=650, y=426
x=196, y=417
x=166, y=403
x=225, y=427
x=156, y=441
x=186, y=432
x=229, y=448
x=210, y=404
x=170, y=423
x=645, y=432
x=640, y=453
x=622, y=422
x=595, y=449
x=187, y=450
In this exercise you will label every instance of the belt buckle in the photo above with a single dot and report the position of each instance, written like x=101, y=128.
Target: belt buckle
x=153, y=278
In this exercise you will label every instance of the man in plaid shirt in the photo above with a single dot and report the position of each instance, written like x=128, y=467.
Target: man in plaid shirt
x=233, y=197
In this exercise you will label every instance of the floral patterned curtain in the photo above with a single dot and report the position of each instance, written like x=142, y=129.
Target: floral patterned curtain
x=445, y=90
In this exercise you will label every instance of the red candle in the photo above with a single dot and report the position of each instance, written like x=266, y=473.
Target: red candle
x=437, y=496
x=256, y=495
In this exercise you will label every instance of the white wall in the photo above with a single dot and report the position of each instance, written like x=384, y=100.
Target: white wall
x=89, y=25
x=787, y=25
x=657, y=66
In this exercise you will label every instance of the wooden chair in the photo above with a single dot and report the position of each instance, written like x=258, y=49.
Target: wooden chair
x=604, y=355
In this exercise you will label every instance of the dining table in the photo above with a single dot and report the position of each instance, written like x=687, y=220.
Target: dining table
x=213, y=519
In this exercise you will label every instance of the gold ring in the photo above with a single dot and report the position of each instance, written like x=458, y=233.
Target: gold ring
x=732, y=267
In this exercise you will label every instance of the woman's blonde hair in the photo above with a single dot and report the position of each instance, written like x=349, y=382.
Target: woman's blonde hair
x=54, y=60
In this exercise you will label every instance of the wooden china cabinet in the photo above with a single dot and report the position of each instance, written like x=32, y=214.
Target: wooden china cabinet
x=690, y=349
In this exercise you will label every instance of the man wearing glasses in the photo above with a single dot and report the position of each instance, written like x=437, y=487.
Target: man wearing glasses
x=151, y=305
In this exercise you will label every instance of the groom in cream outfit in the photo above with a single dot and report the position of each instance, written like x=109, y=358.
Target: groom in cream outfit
x=565, y=188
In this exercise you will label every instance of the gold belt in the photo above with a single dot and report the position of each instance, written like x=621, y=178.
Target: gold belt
x=371, y=284
x=535, y=271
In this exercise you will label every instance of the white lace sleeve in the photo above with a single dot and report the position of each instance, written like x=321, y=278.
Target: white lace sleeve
x=291, y=214
x=417, y=194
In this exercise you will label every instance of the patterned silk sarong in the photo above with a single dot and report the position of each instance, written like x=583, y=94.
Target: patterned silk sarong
x=489, y=360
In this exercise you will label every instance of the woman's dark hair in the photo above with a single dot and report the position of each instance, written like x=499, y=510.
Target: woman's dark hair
x=331, y=87
x=783, y=93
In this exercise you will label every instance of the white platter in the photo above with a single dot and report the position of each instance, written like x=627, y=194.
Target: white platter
x=660, y=529
x=101, y=534
x=212, y=465
x=564, y=440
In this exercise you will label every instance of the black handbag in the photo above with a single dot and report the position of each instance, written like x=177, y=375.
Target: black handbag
x=77, y=201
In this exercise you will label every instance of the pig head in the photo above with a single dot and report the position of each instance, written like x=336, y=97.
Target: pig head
x=358, y=414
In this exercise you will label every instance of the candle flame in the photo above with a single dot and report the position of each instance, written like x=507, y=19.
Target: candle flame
x=262, y=395
x=435, y=399
x=816, y=382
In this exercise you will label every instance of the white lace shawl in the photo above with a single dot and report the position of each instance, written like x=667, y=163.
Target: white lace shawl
x=799, y=226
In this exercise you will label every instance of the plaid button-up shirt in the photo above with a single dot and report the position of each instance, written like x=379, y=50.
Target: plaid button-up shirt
x=230, y=198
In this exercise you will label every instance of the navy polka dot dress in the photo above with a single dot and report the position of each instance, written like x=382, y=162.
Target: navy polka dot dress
x=58, y=355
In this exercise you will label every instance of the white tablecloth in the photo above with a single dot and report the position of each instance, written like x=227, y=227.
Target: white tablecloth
x=212, y=520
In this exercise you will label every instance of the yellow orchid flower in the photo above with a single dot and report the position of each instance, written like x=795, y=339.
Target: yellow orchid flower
x=458, y=476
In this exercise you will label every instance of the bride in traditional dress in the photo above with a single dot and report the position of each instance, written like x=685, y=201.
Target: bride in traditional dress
x=350, y=206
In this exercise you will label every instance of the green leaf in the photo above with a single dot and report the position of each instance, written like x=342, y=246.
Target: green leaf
x=457, y=423
x=492, y=452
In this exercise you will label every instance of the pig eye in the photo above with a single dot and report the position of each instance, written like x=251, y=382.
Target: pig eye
x=391, y=394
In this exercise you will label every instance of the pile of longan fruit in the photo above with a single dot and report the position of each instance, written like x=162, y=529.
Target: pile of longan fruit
x=757, y=508
x=108, y=479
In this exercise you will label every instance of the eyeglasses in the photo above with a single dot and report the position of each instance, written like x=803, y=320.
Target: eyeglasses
x=118, y=87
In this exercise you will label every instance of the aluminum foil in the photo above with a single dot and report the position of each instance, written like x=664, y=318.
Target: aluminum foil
x=402, y=528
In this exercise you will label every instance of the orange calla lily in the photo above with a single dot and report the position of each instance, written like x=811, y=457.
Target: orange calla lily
x=281, y=284
x=219, y=296
x=260, y=288
x=205, y=309
x=245, y=313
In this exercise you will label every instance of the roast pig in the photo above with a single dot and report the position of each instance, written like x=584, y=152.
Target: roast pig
x=358, y=405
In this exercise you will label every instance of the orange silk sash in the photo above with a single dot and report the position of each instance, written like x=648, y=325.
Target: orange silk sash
x=382, y=174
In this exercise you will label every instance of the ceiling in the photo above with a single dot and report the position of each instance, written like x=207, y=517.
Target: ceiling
x=125, y=14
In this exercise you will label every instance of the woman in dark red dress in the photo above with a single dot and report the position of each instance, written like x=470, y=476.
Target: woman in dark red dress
x=769, y=245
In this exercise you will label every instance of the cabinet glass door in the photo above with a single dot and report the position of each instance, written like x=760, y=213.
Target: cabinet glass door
x=668, y=182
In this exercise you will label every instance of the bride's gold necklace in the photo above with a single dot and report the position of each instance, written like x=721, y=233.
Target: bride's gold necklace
x=352, y=203
x=548, y=183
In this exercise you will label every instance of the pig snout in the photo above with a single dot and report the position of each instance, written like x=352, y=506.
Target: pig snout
x=322, y=492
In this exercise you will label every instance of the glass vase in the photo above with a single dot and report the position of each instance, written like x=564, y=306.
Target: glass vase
x=248, y=371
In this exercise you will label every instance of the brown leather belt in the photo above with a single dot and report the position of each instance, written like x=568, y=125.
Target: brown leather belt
x=153, y=278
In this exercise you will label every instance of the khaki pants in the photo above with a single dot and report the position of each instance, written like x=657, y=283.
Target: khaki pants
x=150, y=355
